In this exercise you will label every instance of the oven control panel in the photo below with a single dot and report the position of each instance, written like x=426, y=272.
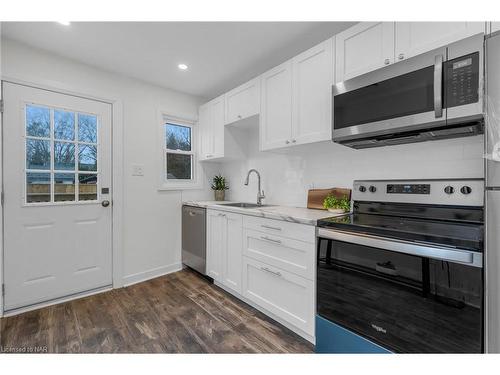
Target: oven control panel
x=408, y=188
x=467, y=192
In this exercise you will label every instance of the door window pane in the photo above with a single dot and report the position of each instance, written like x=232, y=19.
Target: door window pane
x=37, y=121
x=178, y=166
x=178, y=137
x=64, y=187
x=64, y=156
x=87, y=128
x=87, y=188
x=37, y=154
x=64, y=125
x=87, y=158
x=37, y=187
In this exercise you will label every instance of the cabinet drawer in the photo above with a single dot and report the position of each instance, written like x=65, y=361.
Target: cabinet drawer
x=301, y=232
x=284, y=294
x=286, y=253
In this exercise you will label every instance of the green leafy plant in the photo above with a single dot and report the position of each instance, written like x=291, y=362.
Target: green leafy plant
x=219, y=183
x=337, y=203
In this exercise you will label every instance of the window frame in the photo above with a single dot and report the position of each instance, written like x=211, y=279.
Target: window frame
x=52, y=171
x=178, y=184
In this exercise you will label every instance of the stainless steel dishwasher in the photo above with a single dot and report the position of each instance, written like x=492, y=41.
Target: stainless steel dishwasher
x=194, y=242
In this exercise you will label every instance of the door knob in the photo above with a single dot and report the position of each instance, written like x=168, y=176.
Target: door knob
x=105, y=203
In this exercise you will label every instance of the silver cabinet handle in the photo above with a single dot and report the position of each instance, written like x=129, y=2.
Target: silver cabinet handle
x=209, y=155
x=221, y=215
x=287, y=141
x=387, y=61
x=270, y=227
x=438, y=82
x=401, y=56
x=273, y=272
x=294, y=140
x=239, y=116
x=270, y=239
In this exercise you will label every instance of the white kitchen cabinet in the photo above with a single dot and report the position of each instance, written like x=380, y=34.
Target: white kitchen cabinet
x=362, y=48
x=215, y=233
x=296, y=99
x=312, y=81
x=243, y=101
x=276, y=107
x=284, y=294
x=414, y=38
x=494, y=26
x=211, y=125
x=224, y=248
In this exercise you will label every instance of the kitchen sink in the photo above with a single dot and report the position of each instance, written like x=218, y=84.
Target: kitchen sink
x=244, y=205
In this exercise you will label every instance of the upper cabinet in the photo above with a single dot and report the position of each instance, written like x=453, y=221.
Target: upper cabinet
x=494, y=26
x=243, y=101
x=211, y=128
x=312, y=87
x=362, y=48
x=296, y=99
x=414, y=38
x=371, y=45
x=276, y=107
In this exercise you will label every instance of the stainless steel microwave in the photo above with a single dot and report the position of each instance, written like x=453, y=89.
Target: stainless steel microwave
x=435, y=95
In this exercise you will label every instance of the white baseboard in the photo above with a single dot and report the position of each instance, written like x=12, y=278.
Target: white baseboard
x=151, y=274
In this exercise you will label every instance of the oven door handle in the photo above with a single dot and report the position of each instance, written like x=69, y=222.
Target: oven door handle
x=438, y=86
x=406, y=247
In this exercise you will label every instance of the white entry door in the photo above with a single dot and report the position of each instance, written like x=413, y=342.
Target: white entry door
x=57, y=194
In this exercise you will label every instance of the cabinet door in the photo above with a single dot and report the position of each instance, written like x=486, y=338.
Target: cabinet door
x=206, y=134
x=217, y=120
x=495, y=26
x=288, y=296
x=312, y=94
x=276, y=107
x=243, y=101
x=215, y=244
x=362, y=48
x=414, y=38
x=232, y=250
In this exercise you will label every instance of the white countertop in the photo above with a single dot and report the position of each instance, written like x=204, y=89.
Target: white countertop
x=286, y=213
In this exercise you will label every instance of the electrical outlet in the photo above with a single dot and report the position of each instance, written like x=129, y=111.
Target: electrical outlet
x=137, y=170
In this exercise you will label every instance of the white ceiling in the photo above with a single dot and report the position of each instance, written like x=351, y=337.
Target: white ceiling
x=220, y=55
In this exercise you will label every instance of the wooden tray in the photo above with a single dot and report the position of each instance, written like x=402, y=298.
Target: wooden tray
x=315, y=197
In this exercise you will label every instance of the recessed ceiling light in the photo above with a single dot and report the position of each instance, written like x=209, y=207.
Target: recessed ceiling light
x=65, y=23
x=182, y=66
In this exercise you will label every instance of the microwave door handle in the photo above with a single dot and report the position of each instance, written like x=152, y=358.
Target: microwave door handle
x=438, y=86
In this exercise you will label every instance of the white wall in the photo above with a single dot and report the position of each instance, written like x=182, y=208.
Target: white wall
x=287, y=175
x=152, y=220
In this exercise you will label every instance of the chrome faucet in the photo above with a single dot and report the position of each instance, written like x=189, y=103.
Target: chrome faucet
x=260, y=193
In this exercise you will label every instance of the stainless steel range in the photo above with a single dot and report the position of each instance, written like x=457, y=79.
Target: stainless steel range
x=403, y=272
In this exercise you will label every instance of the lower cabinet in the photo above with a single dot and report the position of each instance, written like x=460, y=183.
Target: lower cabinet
x=283, y=293
x=224, y=248
x=273, y=272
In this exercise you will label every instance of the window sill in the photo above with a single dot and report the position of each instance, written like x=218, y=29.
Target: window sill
x=170, y=187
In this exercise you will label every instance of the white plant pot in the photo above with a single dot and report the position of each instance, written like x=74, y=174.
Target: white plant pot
x=336, y=210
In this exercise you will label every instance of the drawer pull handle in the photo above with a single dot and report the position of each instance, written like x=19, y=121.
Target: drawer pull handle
x=273, y=272
x=270, y=239
x=270, y=227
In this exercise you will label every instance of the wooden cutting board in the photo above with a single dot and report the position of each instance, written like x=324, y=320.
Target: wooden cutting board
x=315, y=197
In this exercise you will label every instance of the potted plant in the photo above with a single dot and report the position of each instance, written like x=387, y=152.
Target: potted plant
x=337, y=205
x=219, y=186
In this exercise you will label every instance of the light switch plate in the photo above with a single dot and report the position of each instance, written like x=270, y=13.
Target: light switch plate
x=137, y=170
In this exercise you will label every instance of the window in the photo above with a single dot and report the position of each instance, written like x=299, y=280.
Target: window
x=179, y=156
x=61, y=155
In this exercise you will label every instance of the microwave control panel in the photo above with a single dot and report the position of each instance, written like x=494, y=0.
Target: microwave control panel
x=462, y=80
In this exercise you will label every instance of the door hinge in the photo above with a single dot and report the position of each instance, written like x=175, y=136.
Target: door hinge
x=1, y=106
x=1, y=198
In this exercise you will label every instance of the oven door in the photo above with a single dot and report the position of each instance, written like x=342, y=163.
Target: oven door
x=408, y=94
x=404, y=302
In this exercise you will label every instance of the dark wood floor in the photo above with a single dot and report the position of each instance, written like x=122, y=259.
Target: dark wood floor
x=177, y=313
